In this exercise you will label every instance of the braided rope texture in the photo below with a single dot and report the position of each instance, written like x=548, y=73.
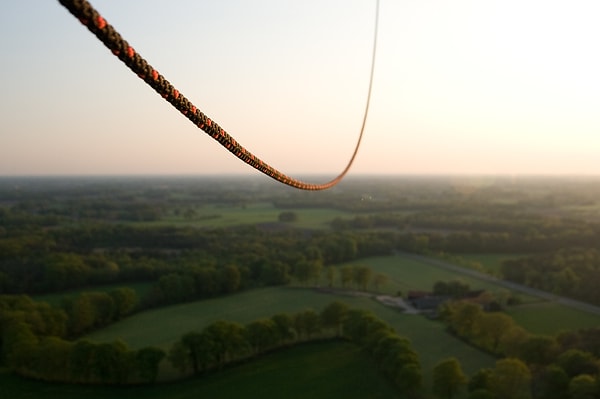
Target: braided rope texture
x=107, y=34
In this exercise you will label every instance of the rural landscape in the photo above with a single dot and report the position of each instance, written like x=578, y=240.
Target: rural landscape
x=383, y=287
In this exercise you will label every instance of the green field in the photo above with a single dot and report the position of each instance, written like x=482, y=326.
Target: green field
x=215, y=216
x=408, y=274
x=317, y=371
x=535, y=315
x=551, y=318
x=161, y=327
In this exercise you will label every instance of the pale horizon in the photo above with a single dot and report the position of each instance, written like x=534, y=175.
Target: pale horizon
x=499, y=88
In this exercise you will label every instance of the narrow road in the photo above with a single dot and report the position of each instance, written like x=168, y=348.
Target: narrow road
x=572, y=303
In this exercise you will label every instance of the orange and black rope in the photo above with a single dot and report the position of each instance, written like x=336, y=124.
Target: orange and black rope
x=88, y=16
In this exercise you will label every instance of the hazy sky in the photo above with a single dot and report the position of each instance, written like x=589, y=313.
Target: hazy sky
x=485, y=87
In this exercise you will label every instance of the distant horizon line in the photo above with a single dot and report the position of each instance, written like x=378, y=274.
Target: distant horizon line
x=302, y=176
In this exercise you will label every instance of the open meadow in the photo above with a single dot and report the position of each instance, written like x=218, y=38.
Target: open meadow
x=161, y=327
x=550, y=318
x=405, y=274
x=535, y=314
x=408, y=274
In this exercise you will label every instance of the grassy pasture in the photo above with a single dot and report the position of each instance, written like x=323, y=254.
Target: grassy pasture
x=408, y=274
x=319, y=371
x=215, y=216
x=535, y=315
x=550, y=318
x=161, y=327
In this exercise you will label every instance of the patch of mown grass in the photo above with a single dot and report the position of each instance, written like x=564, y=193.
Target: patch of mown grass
x=317, y=370
x=550, y=318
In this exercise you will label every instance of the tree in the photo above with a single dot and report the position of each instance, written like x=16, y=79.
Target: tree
x=480, y=380
x=302, y=271
x=53, y=355
x=275, y=273
x=147, y=360
x=18, y=343
x=175, y=287
x=410, y=378
x=583, y=386
x=346, y=275
x=464, y=318
x=538, y=350
x=284, y=325
x=261, y=334
x=112, y=362
x=81, y=312
x=362, y=276
x=104, y=307
x=80, y=362
x=306, y=323
x=206, y=281
x=125, y=300
x=575, y=362
x=230, y=278
x=481, y=394
x=391, y=352
x=180, y=357
x=492, y=327
x=362, y=326
x=380, y=280
x=227, y=341
x=288, y=217
x=316, y=267
x=511, y=341
x=511, y=379
x=330, y=275
x=552, y=383
x=333, y=316
x=196, y=350
x=448, y=378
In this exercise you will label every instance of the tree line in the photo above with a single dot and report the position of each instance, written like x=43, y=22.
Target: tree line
x=532, y=366
x=222, y=342
x=33, y=346
x=34, y=340
x=52, y=260
x=572, y=272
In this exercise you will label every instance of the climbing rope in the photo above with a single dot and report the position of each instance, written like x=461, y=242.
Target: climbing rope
x=89, y=17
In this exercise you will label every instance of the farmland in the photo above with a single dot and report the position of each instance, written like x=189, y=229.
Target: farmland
x=148, y=328
x=551, y=318
x=194, y=253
